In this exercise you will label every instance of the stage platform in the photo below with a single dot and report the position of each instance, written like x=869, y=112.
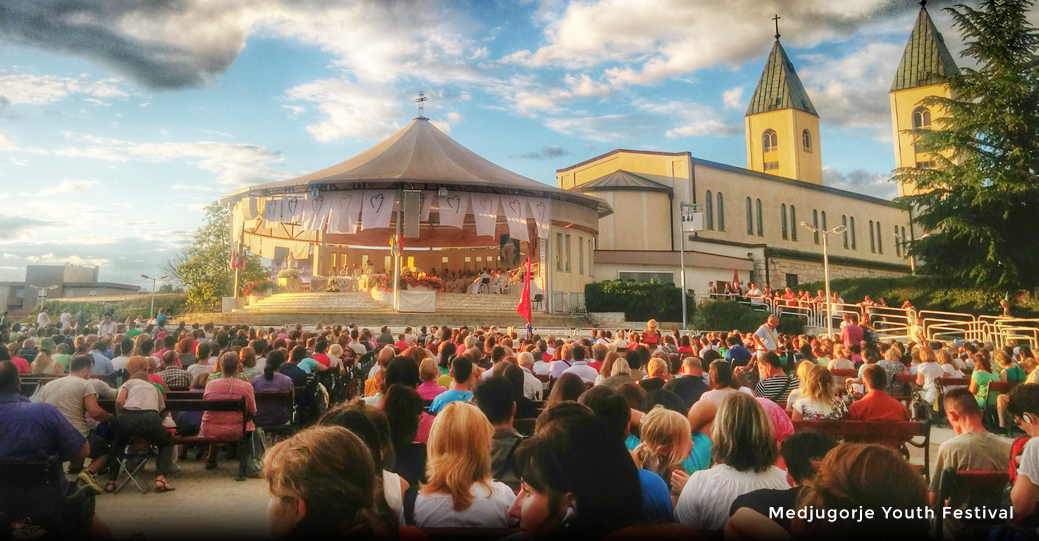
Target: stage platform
x=453, y=309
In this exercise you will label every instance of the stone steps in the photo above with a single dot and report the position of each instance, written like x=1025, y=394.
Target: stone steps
x=362, y=302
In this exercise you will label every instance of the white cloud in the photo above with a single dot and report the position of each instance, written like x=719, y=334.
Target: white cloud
x=733, y=98
x=350, y=111
x=192, y=187
x=694, y=119
x=441, y=125
x=861, y=181
x=11, y=256
x=605, y=128
x=233, y=164
x=21, y=88
x=454, y=117
x=68, y=186
x=584, y=87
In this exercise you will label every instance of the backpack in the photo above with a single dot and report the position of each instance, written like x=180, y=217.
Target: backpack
x=308, y=408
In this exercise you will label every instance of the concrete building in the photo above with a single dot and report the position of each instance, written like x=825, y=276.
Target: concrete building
x=752, y=215
x=57, y=281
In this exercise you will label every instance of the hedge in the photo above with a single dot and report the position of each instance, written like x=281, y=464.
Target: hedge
x=726, y=315
x=927, y=293
x=123, y=309
x=638, y=301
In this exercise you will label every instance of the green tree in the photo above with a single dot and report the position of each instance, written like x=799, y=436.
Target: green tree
x=984, y=192
x=205, y=270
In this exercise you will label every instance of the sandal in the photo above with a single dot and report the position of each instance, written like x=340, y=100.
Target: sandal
x=163, y=486
x=110, y=487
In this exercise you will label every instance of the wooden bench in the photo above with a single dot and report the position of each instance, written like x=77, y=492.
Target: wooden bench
x=230, y=405
x=952, y=484
x=883, y=432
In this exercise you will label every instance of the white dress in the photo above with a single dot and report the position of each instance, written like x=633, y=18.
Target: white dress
x=394, y=497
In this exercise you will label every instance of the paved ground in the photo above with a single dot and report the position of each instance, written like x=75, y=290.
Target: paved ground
x=212, y=504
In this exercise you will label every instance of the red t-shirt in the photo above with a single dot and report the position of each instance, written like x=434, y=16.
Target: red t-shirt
x=321, y=358
x=650, y=338
x=22, y=365
x=878, y=406
x=596, y=365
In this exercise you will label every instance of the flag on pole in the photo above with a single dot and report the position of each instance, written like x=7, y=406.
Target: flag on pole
x=524, y=304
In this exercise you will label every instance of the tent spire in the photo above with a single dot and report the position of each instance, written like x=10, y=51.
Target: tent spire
x=421, y=101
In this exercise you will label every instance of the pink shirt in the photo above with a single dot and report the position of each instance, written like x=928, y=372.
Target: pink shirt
x=782, y=426
x=429, y=390
x=425, y=423
x=227, y=424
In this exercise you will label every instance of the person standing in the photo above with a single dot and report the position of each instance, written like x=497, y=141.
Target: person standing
x=767, y=337
x=852, y=333
x=66, y=319
x=43, y=320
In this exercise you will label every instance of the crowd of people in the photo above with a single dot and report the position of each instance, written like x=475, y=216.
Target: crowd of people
x=626, y=433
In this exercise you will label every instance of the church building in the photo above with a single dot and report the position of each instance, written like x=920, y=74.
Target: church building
x=752, y=215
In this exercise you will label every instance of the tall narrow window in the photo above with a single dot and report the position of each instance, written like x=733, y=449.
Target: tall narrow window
x=721, y=212
x=921, y=119
x=782, y=220
x=591, y=250
x=880, y=242
x=824, y=221
x=806, y=139
x=750, y=218
x=872, y=238
x=559, y=252
x=851, y=227
x=793, y=223
x=580, y=256
x=905, y=240
x=769, y=141
x=567, y=252
x=844, y=222
x=761, y=231
x=898, y=242
x=815, y=223
x=709, y=210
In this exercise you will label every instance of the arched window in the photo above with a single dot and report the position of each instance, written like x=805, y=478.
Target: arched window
x=824, y=220
x=709, y=210
x=761, y=230
x=793, y=223
x=872, y=238
x=750, y=218
x=880, y=242
x=921, y=119
x=769, y=142
x=806, y=139
x=844, y=222
x=851, y=226
x=898, y=243
x=782, y=220
x=721, y=212
x=815, y=223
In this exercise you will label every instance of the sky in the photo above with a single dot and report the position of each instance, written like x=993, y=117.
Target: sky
x=120, y=120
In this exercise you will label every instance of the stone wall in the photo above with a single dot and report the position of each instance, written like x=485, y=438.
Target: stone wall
x=811, y=271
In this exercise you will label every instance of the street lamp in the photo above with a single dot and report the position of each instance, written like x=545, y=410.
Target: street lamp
x=826, y=269
x=151, y=312
x=42, y=295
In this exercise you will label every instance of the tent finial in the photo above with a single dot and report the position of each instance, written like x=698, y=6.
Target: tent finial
x=421, y=101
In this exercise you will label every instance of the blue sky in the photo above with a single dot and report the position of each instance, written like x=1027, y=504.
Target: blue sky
x=119, y=122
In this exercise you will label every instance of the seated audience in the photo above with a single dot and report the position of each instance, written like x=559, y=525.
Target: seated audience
x=462, y=375
x=139, y=408
x=820, y=401
x=877, y=405
x=690, y=384
x=494, y=397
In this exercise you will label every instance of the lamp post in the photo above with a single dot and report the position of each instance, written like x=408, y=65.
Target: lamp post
x=826, y=269
x=151, y=312
x=692, y=221
x=42, y=295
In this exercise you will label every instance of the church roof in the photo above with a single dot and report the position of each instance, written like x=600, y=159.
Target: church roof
x=779, y=86
x=621, y=180
x=420, y=155
x=926, y=60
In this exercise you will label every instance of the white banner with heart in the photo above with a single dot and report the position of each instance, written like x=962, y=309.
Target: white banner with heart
x=485, y=212
x=426, y=197
x=272, y=210
x=292, y=209
x=315, y=212
x=452, y=208
x=541, y=211
x=515, y=208
x=344, y=211
x=377, y=208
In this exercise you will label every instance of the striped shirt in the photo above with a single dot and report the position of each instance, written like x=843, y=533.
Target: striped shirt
x=777, y=388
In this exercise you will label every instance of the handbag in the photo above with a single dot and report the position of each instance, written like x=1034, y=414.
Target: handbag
x=257, y=448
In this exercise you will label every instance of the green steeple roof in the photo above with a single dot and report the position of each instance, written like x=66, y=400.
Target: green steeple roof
x=927, y=61
x=779, y=87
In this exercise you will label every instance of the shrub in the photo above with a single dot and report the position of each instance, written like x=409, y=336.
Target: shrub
x=123, y=309
x=726, y=315
x=791, y=325
x=638, y=301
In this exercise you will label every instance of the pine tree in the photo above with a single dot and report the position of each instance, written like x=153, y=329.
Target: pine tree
x=982, y=207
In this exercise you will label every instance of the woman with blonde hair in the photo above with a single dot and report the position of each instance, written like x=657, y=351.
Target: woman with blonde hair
x=44, y=363
x=460, y=492
x=744, y=451
x=428, y=372
x=802, y=376
x=666, y=443
x=820, y=401
x=607, y=368
x=945, y=359
x=323, y=483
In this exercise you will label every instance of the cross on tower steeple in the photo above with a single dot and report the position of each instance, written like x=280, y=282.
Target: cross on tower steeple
x=421, y=100
x=776, y=18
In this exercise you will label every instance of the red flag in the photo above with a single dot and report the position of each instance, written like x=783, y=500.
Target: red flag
x=233, y=262
x=241, y=259
x=523, y=308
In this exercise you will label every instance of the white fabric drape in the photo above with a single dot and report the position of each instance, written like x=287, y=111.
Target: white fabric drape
x=250, y=208
x=515, y=208
x=427, y=204
x=315, y=212
x=238, y=221
x=272, y=210
x=541, y=211
x=292, y=209
x=300, y=251
x=377, y=208
x=452, y=208
x=485, y=212
x=344, y=212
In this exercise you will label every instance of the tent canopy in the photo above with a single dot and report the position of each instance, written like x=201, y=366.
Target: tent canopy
x=420, y=155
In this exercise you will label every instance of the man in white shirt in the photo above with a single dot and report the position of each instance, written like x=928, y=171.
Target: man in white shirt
x=43, y=320
x=580, y=367
x=561, y=361
x=766, y=337
x=66, y=319
x=108, y=327
x=533, y=388
x=125, y=349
